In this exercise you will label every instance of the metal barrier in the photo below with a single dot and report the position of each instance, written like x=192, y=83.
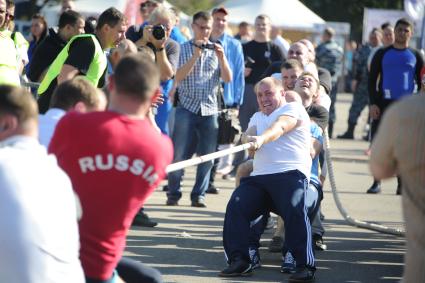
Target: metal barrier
x=30, y=84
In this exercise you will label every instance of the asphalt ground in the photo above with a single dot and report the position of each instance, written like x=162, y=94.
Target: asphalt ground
x=186, y=246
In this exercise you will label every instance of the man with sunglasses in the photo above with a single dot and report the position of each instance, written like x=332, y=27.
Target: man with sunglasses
x=156, y=35
x=21, y=44
x=8, y=65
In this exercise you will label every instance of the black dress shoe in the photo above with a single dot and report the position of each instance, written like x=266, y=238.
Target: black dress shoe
x=303, y=274
x=213, y=190
x=142, y=219
x=238, y=267
x=346, y=136
x=375, y=188
x=172, y=202
x=198, y=203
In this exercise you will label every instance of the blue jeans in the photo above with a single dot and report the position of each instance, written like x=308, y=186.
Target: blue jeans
x=187, y=125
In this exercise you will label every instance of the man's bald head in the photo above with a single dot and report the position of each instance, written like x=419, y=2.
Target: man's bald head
x=269, y=92
x=125, y=47
x=299, y=52
x=310, y=48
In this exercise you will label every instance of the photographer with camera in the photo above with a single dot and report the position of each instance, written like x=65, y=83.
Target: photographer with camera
x=201, y=66
x=156, y=35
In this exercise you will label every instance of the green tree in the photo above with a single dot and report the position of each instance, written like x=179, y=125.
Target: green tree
x=192, y=6
x=349, y=11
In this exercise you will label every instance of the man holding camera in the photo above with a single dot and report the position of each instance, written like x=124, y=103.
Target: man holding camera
x=156, y=35
x=201, y=66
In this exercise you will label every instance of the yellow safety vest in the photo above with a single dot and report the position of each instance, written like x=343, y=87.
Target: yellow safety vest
x=8, y=65
x=94, y=73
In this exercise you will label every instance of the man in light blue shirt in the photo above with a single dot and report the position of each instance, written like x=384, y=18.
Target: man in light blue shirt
x=232, y=91
x=72, y=95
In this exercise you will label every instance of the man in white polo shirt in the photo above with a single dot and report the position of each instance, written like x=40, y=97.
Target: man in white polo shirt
x=278, y=183
x=38, y=218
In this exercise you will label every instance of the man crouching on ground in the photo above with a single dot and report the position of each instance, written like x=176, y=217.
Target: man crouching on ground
x=282, y=163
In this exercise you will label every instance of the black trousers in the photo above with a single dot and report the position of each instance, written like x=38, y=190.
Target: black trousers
x=132, y=271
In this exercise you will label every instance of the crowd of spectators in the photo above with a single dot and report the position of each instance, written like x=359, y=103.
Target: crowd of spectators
x=152, y=94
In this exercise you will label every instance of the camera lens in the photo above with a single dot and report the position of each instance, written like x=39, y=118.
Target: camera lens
x=158, y=32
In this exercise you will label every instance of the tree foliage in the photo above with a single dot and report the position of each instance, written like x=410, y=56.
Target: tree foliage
x=349, y=11
x=192, y=6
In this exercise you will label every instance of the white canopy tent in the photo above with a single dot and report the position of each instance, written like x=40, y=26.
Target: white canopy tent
x=288, y=14
x=85, y=7
x=96, y=7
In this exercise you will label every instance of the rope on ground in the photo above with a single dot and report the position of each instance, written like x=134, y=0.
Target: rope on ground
x=345, y=215
x=204, y=158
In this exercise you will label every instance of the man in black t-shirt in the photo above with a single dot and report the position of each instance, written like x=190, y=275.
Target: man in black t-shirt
x=71, y=23
x=259, y=53
x=82, y=56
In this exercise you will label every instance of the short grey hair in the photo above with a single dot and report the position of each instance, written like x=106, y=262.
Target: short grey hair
x=125, y=46
x=162, y=12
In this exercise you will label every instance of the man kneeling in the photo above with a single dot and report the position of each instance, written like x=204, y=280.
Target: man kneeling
x=278, y=183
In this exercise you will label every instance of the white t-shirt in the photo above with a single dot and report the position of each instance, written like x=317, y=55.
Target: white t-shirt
x=47, y=124
x=38, y=222
x=283, y=45
x=289, y=152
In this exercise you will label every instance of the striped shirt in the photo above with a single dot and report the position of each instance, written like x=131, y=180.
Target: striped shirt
x=199, y=90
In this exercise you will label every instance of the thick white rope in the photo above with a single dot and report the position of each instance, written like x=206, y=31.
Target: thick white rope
x=347, y=217
x=204, y=158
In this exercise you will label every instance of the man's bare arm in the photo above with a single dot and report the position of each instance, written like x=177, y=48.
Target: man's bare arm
x=185, y=70
x=383, y=163
x=225, y=71
x=68, y=72
x=316, y=147
x=165, y=68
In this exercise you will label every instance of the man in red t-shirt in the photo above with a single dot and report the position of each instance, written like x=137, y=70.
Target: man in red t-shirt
x=115, y=159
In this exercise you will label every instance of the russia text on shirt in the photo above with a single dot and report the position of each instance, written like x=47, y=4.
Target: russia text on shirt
x=120, y=163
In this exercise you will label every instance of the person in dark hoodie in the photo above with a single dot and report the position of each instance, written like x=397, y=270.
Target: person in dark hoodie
x=70, y=23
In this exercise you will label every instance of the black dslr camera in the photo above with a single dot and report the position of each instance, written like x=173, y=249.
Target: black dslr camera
x=208, y=46
x=205, y=46
x=158, y=32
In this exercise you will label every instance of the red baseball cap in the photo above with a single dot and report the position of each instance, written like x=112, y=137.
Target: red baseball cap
x=220, y=10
